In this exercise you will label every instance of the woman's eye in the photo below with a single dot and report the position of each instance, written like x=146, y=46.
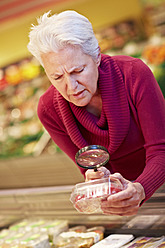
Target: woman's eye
x=57, y=78
x=80, y=70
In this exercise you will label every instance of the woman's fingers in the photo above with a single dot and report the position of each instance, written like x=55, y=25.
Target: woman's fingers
x=127, y=211
x=118, y=176
x=121, y=207
x=100, y=173
x=125, y=202
x=92, y=175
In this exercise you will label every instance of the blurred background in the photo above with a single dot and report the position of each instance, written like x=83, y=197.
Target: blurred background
x=131, y=27
x=28, y=157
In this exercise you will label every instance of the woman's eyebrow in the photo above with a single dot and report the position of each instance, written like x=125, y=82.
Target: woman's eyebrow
x=75, y=68
x=56, y=74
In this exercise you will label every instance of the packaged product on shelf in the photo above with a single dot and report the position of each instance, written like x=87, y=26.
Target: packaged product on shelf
x=14, y=238
x=86, y=197
x=76, y=238
x=3, y=235
x=12, y=246
x=146, y=242
x=20, y=225
x=40, y=228
x=50, y=227
x=162, y=245
x=28, y=225
x=54, y=227
x=114, y=241
x=78, y=229
x=35, y=240
x=73, y=241
x=99, y=230
x=25, y=239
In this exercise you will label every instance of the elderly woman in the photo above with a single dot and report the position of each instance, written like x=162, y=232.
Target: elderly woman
x=94, y=98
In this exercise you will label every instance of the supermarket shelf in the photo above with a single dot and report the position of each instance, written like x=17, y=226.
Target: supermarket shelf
x=48, y=202
x=42, y=171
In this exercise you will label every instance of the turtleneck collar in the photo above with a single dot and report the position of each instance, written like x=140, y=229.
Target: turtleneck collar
x=115, y=108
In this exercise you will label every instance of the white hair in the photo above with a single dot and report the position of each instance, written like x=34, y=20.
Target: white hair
x=59, y=30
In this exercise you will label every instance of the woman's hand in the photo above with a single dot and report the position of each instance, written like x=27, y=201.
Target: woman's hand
x=100, y=173
x=126, y=202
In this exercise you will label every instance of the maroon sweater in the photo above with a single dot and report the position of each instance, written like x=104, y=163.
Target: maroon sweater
x=131, y=125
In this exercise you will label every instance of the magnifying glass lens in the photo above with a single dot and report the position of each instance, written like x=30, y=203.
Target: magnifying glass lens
x=92, y=157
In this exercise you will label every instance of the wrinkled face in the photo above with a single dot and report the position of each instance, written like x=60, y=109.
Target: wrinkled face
x=73, y=73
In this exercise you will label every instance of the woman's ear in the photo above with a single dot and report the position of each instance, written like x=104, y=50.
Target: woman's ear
x=98, y=57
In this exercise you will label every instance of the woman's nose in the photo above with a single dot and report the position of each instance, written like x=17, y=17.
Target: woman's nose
x=71, y=83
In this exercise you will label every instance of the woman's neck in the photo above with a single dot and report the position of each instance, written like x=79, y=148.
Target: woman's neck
x=95, y=105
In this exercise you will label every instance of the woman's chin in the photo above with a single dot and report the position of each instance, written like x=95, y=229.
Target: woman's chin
x=81, y=102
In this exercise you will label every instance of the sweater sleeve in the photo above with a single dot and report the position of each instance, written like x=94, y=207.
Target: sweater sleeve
x=150, y=106
x=54, y=126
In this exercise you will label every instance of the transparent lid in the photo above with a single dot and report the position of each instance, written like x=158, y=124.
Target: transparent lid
x=97, y=184
x=86, y=197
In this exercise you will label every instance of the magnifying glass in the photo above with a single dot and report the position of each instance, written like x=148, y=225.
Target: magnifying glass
x=92, y=157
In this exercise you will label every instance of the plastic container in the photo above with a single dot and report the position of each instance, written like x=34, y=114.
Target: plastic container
x=86, y=197
x=147, y=242
x=114, y=241
x=79, y=237
x=35, y=240
x=54, y=227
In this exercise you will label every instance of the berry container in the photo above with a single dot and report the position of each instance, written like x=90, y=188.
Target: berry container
x=86, y=197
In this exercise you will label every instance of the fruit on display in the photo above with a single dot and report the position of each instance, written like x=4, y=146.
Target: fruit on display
x=20, y=129
x=3, y=82
x=154, y=54
x=115, y=37
x=155, y=58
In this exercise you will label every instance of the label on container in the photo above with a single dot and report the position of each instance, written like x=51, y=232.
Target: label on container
x=146, y=242
x=114, y=241
x=162, y=245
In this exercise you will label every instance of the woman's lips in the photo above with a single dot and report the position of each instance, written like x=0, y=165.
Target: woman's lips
x=78, y=95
